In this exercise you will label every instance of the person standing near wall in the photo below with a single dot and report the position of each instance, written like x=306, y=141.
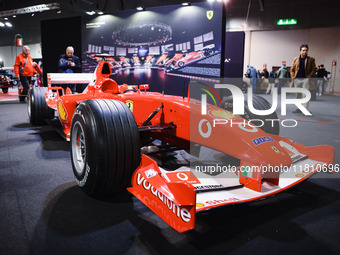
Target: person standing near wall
x=265, y=73
x=302, y=71
x=321, y=79
x=252, y=73
x=271, y=80
x=25, y=68
x=283, y=75
x=69, y=63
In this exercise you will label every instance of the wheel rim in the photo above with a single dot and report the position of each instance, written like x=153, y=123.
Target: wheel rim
x=78, y=148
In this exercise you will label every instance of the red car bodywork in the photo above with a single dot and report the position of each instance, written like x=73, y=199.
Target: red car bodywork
x=190, y=57
x=174, y=195
x=123, y=61
x=162, y=59
x=174, y=59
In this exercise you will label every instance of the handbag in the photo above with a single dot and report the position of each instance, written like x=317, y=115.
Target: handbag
x=21, y=70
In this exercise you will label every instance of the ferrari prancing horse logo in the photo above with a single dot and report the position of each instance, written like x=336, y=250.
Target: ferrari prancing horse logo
x=210, y=14
x=275, y=149
x=129, y=103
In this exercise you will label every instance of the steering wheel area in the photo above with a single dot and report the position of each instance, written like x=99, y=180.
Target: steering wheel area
x=128, y=90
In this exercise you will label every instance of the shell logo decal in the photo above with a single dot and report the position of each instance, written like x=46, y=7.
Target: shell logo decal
x=62, y=111
x=222, y=114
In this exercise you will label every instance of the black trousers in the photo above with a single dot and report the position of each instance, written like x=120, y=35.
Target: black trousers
x=25, y=82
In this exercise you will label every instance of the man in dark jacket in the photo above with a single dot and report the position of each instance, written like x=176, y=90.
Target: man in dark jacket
x=302, y=71
x=321, y=79
x=69, y=63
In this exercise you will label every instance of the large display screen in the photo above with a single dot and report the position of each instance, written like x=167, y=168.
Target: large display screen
x=162, y=46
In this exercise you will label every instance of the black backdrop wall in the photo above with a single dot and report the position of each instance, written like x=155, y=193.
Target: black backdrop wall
x=234, y=54
x=56, y=35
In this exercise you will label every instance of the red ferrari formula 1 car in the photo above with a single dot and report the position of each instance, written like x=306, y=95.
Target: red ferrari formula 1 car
x=172, y=62
x=194, y=56
x=161, y=60
x=121, y=137
x=190, y=57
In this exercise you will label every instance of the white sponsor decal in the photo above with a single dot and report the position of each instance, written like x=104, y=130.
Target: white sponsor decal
x=83, y=181
x=222, y=201
x=204, y=134
x=182, y=213
x=150, y=173
x=207, y=187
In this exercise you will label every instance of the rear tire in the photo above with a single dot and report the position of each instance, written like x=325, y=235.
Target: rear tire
x=105, y=146
x=37, y=108
x=259, y=103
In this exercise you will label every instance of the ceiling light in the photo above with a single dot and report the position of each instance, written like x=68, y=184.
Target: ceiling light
x=186, y=3
x=8, y=24
x=14, y=16
x=32, y=14
x=140, y=8
x=2, y=24
x=91, y=13
x=6, y=18
x=100, y=13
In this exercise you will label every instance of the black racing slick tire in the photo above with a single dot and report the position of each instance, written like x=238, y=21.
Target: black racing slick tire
x=37, y=108
x=268, y=123
x=5, y=90
x=105, y=146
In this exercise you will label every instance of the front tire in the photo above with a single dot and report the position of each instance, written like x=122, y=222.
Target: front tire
x=37, y=108
x=105, y=147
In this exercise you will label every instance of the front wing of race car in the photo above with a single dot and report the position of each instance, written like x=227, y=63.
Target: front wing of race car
x=176, y=196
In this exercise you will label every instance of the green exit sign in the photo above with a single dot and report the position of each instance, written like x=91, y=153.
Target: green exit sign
x=281, y=22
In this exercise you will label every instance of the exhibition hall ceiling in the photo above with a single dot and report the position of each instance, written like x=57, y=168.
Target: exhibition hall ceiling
x=256, y=14
x=29, y=25
x=81, y=6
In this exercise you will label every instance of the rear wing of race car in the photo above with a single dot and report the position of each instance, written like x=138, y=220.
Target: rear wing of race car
x=68, y=78
x=54, y=79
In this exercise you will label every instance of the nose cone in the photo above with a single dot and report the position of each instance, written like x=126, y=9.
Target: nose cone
x=268, y=152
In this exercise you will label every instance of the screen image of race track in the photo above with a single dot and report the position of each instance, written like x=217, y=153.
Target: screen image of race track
x=163, y=47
